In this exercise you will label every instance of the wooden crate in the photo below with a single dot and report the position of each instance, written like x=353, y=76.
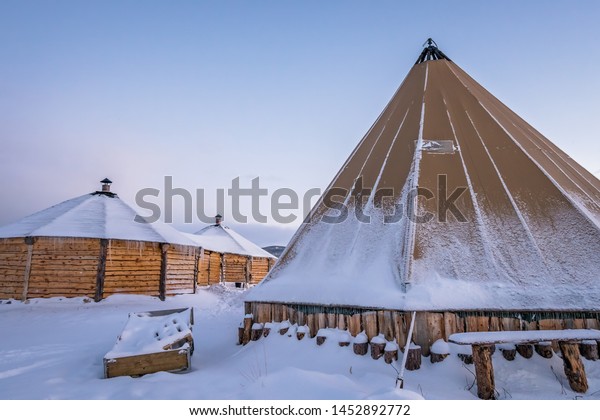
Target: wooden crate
x=152, y=342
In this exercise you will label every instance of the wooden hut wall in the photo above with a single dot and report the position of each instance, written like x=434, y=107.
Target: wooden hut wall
x=63, y=267
x=429, y=326
x=260, y=268
x=181, y=266
x=13, y=260
x=132, y=267
x=235, y=267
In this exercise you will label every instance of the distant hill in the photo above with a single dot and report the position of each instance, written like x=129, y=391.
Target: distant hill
x=275, y=250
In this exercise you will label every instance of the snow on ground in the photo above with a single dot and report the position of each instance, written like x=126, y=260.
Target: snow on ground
x=53, y=349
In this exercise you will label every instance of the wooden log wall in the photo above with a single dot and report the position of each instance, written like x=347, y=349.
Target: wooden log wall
x=132, y=268
x=47, y=267
x=215, y=267
x=260, y=268
x=181, y=266
x=13, y=259
x=234, y=268
x=394, y=325
x=63, y=267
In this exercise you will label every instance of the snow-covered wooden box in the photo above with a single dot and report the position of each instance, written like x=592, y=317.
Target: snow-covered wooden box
x=152, y=342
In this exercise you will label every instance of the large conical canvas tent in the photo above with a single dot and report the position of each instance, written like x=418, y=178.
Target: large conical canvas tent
x=453, y=206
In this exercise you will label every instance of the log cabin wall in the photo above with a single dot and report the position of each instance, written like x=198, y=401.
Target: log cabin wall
x=132, y=268
x=260, y=268
x=44, y=267
x=181, y=266
x=234, y=267
x=13, y=260
x=429, y=326
x=63, y=267
x=203, y=268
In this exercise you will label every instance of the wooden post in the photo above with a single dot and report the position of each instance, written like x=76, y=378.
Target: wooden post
x=222, y=268
x=101, y=271
x=29, y=241
x=573, y=367
x=248, y=270
x=208, y=268
x=247, y=329
x=162, y=285
x=484, y=371
x=199, y=251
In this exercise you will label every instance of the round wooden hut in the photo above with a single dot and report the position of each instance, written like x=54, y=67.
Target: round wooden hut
x=94, y=245
x=228, y=256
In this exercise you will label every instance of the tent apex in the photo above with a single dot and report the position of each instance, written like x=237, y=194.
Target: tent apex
x=431, y=52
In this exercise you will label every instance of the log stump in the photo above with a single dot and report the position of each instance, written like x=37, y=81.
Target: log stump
x=390, y=353
x=467, y=359
x=544, y=349
x=344, y=339
x=284, y=327
x=241, y=333
x=484, y=372
x=589, y=349
x=301, y=332
x=257, y=331
x=413, y=359
x=437, y=357
x=377, y=348
x=525, y=350
x=439, y=351
x=321, y=337
x=361, y=344
x=509, y=351
x=573, y=366
x=267, y=329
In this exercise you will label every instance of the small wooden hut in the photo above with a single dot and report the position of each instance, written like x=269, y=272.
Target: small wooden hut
x=456, y=210
x=230, y=257
x=94, y=245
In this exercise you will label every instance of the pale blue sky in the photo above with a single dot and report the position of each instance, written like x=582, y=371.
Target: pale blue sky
x=206, y=91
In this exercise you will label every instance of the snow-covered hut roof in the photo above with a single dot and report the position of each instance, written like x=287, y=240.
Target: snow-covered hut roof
x=96, y=215
x=220, y=238
x=523, y=234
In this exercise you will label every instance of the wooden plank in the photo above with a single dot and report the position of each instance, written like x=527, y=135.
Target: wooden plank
x=170, y=361
x=400, y=330
x=355, y=324
x=369, y=322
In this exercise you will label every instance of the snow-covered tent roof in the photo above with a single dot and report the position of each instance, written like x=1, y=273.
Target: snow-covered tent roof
x=95, y=215
x=527, y=236
x=220, y=238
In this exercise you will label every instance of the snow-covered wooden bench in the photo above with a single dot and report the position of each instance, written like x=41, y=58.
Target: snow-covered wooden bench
x=482, y=343
x=152, y=342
